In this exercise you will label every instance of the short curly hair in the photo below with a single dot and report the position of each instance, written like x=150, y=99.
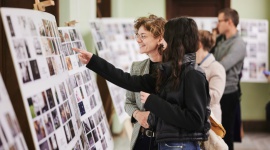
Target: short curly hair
x=207, y=40
x=152, y=23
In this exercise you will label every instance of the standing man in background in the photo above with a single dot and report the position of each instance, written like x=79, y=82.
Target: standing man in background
x=230, y=51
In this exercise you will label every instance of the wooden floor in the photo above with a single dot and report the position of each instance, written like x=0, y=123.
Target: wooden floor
x=251, y=141
x=254, y=141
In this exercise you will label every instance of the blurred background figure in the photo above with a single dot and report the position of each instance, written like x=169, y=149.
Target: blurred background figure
x=215, y=72
x=230, y=51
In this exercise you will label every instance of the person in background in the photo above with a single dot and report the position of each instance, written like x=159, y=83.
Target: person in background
x=179, y=91
x=230, y=51
x=149, y=35
x=214, y=71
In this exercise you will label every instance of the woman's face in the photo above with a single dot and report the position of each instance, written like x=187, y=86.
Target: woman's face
x=146, y=41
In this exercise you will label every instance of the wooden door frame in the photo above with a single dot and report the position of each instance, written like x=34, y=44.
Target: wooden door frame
x=170, y=3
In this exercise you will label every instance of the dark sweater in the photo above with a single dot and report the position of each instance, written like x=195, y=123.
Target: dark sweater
x=183, y=113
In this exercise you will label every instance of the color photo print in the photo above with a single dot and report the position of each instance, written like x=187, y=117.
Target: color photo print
x=53, y=118
x=71, y=38
x=42, y=74
x=97, y=130
x=98, y=35
x=96, y=125
x=35, y=44
x=11, y=136
x=86, y=93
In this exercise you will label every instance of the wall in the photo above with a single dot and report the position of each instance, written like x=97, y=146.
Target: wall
x=81, y=11
x=137, y=8
x=255, y=95
x=269, y=39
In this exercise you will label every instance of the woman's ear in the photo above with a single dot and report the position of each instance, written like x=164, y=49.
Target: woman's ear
x=163, y=43
x=200, y=45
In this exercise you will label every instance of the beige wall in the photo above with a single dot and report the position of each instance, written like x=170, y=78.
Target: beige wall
x=255, y=95
x=82, y=11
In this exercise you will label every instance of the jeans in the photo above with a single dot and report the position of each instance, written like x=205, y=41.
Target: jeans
x=178, y=146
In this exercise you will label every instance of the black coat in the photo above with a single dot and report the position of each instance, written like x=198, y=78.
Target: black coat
x=182, y=113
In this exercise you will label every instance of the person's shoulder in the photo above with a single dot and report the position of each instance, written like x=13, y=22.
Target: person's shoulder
x=199, y=69
x=217, y=67
x=240, y=43
x=213, y=62
x=140, y=63
x=238, y=38
x=195, y=74
x=196, y=69
x=216, y=63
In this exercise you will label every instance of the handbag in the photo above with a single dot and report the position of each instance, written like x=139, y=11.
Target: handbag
x=216, y=133
x=215, y=142
x=216, y=127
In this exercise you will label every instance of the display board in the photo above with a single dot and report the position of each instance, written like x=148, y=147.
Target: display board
x=255, y=34
x=115, y=42
x=11, y=136
x=53, y=83
x=86, y=94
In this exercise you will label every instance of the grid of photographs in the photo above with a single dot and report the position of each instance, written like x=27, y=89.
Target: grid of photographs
x=11, y=136
x=255, y=34
x=42, y=73
x=70, y=38
x=33, y=39
x=86, y=95
x=115, y=41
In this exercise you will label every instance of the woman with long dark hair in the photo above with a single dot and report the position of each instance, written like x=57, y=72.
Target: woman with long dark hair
x=179, y=91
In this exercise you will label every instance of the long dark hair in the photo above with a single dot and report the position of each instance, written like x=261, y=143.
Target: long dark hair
x=181, y=35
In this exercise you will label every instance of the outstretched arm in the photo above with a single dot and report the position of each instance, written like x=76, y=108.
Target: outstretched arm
x=115, y=75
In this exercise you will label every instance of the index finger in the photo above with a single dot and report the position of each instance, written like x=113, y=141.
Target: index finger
x=78, y=50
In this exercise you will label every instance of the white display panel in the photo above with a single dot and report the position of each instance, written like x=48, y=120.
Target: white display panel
x=255, y=34
x=11, y=136
x=34, y=44
x=86, y=94
x=50, y=77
